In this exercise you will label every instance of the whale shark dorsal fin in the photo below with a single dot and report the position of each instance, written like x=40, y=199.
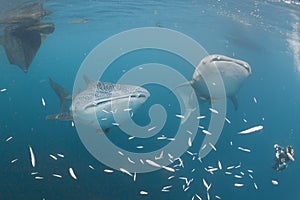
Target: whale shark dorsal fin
x=87, y=81
x=234, y=102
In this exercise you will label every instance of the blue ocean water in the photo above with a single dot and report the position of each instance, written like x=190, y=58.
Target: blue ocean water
x=263, y=33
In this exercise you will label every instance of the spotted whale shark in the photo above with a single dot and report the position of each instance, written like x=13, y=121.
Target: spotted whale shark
x=100, y=101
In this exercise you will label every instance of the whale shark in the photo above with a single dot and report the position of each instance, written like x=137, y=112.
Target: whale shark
x=100, y=100
x=233, y=72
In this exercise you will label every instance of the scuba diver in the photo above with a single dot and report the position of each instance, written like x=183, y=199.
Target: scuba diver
x=282, y=157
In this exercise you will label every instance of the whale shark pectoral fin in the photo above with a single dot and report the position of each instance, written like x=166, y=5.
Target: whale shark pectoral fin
x=60, y=116
x=187, y=114
x=87, y=81
x=234, y=101
x=183, y=84
x=188, y=108
x=187, y=99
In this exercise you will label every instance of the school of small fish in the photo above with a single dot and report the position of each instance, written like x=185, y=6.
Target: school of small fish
x=234, y=171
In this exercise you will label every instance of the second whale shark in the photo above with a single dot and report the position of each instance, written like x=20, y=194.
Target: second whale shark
x=233, y=74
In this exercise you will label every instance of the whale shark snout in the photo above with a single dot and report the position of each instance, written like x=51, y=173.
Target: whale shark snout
x=233, y=72
x=225, y=61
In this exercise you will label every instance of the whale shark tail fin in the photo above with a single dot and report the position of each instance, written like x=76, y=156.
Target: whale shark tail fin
x=234, y=102
x=64, y=98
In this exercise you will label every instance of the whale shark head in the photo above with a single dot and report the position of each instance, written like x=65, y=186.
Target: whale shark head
x=232, y=71
x=101, y=99
x=226, y=63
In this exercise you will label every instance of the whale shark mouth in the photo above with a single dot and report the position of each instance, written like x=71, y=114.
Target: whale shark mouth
x=102, y=102
x=230, y=60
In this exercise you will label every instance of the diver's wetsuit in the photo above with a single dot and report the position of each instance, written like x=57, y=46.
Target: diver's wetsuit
x=281, y=159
